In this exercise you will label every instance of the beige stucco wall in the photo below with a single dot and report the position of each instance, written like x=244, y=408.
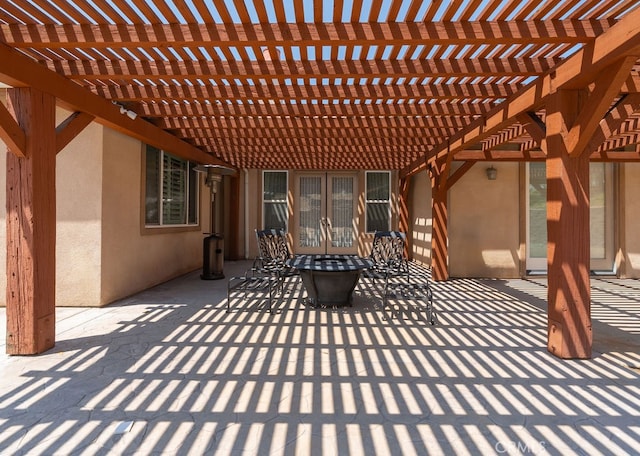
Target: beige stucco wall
x=78, y=214
x=484, y=239
x=421, y=220
x=78, y=198
x=102, y=252
x=629, y=216
x=132, y=258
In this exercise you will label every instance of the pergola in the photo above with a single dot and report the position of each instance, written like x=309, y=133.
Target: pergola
x=408, y=85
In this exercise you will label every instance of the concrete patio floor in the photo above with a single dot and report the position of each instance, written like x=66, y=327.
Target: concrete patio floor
x=169, y=372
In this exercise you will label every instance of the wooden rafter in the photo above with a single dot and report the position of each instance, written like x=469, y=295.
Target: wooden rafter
x=258, y=35
x=623, y=40
x=16, y=67
x=458, y=73
x=607, y=87
x=313, y=110
x=246, y=70
x=297, y=93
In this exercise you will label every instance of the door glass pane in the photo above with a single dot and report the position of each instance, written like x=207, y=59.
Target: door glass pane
x=310, y=230
x=342, y=212
x=537, y=210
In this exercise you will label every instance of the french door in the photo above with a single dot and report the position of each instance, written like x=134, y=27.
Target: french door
x=325, y=207
x=601, y=217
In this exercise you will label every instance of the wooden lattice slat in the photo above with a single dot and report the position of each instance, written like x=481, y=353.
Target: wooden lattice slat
x=327, y=94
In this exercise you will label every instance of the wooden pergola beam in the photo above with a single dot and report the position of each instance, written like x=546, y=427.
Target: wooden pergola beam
x=290, y=93
x=70, y=128
x=268, y=134
x=11, y=133
x=100, y=36
x=391, y=123
x=535, y=127
x=620, y=41
x=440, y=220
x=568, y=239
x=613, y=122
x=22, y=71
x=607, y=87
x=315, y=110
x=128, y=70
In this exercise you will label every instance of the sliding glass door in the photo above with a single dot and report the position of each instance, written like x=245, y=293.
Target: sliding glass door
x=601, y=216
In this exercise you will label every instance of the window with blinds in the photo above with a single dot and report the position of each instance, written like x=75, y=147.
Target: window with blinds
x=378, y=201
x=275, y=211
x=171, y=197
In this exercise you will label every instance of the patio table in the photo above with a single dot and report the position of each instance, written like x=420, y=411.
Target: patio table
x=330, y=279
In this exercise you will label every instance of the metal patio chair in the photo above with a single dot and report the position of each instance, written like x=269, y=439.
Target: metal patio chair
x=391, y=268
x=270, y=269
x=388, y=256
x=274, y=256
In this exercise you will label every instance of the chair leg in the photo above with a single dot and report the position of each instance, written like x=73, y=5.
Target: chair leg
x=385, y=292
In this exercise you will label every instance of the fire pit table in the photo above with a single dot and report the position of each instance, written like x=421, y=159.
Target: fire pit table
x=330, y=279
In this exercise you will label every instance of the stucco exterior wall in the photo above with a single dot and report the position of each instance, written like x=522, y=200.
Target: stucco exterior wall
x=79, y=218
x=78, y=199
x=484, y=239
x=629, y=216
x=421, y=222
x=102, y=251
x=132, y=258
x=484, y=222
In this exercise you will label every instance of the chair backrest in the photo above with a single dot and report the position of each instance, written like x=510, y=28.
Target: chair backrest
x=273, y=246
x=387, y=250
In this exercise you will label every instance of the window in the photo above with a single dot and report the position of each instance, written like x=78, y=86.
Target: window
x=601, y=228
x=275, y=212
x=378, y=201
x=171, y=190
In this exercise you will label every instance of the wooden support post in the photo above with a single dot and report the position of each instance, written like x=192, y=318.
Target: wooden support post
x=439, y=234
x=403, y=214
x=568, y=248
x=31, y=226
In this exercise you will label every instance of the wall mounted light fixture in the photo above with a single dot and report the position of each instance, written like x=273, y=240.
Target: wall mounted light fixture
x=492, y=173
